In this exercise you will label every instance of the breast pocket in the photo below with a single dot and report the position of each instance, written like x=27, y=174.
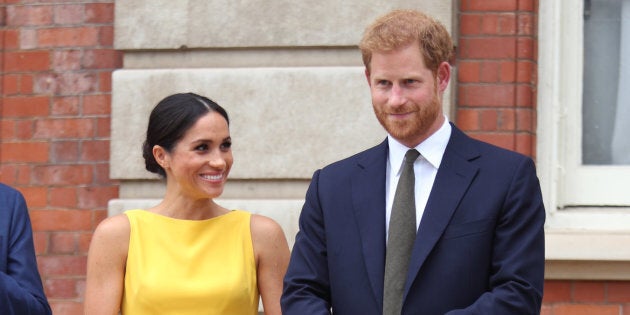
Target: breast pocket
x=468, y=228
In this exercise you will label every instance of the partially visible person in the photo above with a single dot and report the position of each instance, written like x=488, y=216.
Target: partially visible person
x=428, y=222
x=21, y=291
x=188, y=254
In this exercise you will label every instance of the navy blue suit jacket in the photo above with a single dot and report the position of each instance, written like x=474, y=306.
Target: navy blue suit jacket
x=479, y=247
x=21, y=291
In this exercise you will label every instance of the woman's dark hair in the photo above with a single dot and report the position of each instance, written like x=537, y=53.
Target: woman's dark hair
x=169, y=121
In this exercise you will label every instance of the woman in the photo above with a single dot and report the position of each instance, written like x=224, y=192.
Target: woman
x=187, y=255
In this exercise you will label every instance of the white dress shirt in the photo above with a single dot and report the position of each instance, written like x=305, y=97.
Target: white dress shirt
x=425, y=168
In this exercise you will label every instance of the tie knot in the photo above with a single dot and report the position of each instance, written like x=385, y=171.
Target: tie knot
x=411, y=156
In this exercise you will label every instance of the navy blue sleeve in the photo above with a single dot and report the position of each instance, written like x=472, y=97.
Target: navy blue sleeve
x=21, y=290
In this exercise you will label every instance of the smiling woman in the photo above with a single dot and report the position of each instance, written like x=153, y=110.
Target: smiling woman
x=188, y=254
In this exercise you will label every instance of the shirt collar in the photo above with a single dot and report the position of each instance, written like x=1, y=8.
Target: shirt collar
x=432, y=149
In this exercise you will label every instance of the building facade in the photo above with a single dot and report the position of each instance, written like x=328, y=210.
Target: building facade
x=78, y=79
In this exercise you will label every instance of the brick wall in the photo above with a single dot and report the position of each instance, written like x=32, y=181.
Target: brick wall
x=496, y=102
x=56, y=59
x=55, y=73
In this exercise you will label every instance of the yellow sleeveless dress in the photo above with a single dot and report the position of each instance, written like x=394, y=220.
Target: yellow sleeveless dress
x=190, y=267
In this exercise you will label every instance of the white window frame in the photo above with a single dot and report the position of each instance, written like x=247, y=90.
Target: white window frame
x=588, y=207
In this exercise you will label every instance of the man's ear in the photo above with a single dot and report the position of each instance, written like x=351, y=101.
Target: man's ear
x=161, y=156
x=443, y=75
x=367, y=76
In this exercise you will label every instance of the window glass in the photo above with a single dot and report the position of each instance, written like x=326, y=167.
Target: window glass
x=606, y=93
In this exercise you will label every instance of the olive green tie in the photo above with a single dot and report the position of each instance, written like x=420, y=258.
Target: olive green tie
x=402, y=233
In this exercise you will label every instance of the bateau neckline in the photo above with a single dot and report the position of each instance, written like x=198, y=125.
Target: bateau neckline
x=165, y=217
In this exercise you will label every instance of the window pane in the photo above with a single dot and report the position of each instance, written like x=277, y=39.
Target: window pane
x=606, y=101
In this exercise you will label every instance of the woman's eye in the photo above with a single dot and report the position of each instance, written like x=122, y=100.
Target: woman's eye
x=201, y=147
x=226, y=145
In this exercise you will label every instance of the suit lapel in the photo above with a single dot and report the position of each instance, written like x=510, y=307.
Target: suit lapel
x=368, y=197
x=451, y=182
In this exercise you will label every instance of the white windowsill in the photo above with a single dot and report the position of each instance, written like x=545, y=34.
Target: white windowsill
x=588, y=244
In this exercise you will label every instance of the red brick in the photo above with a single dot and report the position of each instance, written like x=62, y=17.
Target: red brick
x=62, y=265
x=526, y=72
x=40, y=239
x=506, y=120
x=15, y=174
x=64, y=151
x=65, y=60
x=99, y=215
x=524, y=144
x=84, y=242
x=489, y=71
x=65, y=106
x=526, y=24
x=63, y=197
x=10, y=84
x=489, y=119
x=102, y=59
x=7, y=130
x=498, y=24
x=26, y=61
x=95, y=197
x=26, y=84
x=95, y=151
x=64, y=128
x=19, y=106
x=525, y=48
x=488, y=5
x=105, y=81
x=68, y=37
x=61, y=288
x=63, y=243
x=24, y=129
x=486, y=95
x=106, y=36
x=69, y=14
x=586, y=309
x=470, y=24
x=588, y=291
x=23, y=175
x=490, y=48
x=103, y=127
x=62, y=174
x=524, y=120
x=468, y=120
x=71, y=83
x=618, y=291
x=97, y=104
x=35, y=196
x=102, y=174
x=11, y=39
x=524, y=96
x=504, y=140
x=45, y=84
x=29, y=15
x=521, y=71
x=61, y=220
x=66, y=307
x=99, y=12
x=28, y=39
x=468, y=71
x=557, y=291
x=24, y=152
x=527, y=5
x=546, y=310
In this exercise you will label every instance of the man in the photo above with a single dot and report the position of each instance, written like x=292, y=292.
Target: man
x=477, y=216
x=21, y=291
